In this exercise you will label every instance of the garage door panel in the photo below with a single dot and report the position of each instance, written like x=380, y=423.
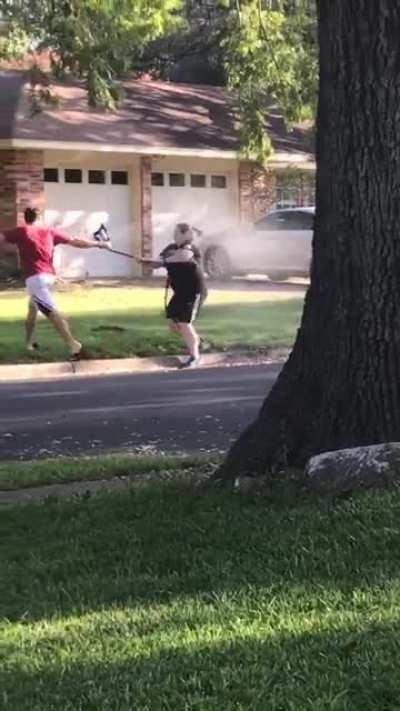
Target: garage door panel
x=79, y=210
x=208, y=208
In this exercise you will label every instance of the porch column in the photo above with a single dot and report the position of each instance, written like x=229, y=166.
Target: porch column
x=146, y=211
x=21, y=185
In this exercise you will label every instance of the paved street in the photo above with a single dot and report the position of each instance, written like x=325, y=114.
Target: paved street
x=179, y=411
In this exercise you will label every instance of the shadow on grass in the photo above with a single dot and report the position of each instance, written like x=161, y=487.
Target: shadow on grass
x=144, y=332
x=158, y=544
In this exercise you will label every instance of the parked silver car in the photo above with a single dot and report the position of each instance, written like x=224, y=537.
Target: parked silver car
x=278, y=245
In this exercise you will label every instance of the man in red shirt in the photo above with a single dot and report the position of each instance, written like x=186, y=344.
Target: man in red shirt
x=35, y=247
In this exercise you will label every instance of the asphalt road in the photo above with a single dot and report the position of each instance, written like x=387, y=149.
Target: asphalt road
x=180, y=411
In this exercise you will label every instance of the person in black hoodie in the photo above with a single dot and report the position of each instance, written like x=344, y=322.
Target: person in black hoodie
x=182, y=261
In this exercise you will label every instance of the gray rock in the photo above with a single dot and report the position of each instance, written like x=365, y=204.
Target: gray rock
x=346, y=470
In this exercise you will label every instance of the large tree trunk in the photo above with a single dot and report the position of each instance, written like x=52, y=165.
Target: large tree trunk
x=341, y=384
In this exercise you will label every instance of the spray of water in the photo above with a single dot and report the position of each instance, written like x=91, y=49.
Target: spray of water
x=229, y=249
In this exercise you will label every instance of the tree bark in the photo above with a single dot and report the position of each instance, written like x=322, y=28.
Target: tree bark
x=341, y=384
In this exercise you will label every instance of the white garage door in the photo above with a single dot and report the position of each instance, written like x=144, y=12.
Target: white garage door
x=77, y=202
x=205, y=200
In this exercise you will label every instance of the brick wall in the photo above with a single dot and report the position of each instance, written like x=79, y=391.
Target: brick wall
x=146, y=207
x=21, y=184
x=257, y=191
x=146, y=210
x=8, y=193
x=264, y=191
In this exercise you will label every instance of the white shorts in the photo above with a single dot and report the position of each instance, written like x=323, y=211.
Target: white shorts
x=39, y=289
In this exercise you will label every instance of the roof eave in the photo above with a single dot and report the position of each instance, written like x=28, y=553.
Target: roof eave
x=279, y=159
x=286, y=159
x=26, y=143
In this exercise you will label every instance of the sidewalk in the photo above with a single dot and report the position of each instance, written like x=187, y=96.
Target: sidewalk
x=56, y=371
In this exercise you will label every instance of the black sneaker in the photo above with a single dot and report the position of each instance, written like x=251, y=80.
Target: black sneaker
x=191, y=362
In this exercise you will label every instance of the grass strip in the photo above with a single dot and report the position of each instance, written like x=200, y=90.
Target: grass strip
x=167, y=598
x=64, y=470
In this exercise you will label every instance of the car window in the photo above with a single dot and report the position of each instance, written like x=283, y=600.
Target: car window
x=298, y=220
x=275, y=221
x=286, y=220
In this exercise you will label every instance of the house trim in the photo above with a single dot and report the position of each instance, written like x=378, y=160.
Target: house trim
x=278, y=159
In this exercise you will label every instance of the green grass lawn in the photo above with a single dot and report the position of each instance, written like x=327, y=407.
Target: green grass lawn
x=129, y=321
x=64, y=470
x=167, y=598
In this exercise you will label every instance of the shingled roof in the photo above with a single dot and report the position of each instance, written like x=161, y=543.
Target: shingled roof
x=152, y=116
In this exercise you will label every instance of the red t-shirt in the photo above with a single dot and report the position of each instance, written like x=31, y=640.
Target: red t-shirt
x=36, y=248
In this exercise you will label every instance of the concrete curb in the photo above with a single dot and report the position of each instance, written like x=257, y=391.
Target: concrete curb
x=85, y=368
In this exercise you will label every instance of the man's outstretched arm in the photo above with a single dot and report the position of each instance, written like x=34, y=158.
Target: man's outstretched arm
x=82, y=243
x=78, y=242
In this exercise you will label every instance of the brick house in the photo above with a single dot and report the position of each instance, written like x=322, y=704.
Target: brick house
x=168, y=153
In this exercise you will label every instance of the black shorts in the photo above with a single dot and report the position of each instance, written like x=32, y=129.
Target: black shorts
x=183, y=311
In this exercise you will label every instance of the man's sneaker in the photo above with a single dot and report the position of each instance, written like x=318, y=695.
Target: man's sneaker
x=80, y=354
x=191, y=362
x=32, y=347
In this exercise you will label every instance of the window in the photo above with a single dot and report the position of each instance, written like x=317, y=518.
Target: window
x=72, y=175
x=275, y=221
x=286, y=220
x=197, y=181
x=295, y=190
x=119, y=177
x=298, y=220
x=97, y=177
x=218, y=181
x=50, y=175
x=157, y=179
x=177, y=180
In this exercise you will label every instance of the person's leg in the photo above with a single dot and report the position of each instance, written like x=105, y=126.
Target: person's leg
x=191, y=338
x=63, y=329
x=173, y=326
x=39, y=287
x=30, y=325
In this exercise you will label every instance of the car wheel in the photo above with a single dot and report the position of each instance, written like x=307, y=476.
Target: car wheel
x=217, y=263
